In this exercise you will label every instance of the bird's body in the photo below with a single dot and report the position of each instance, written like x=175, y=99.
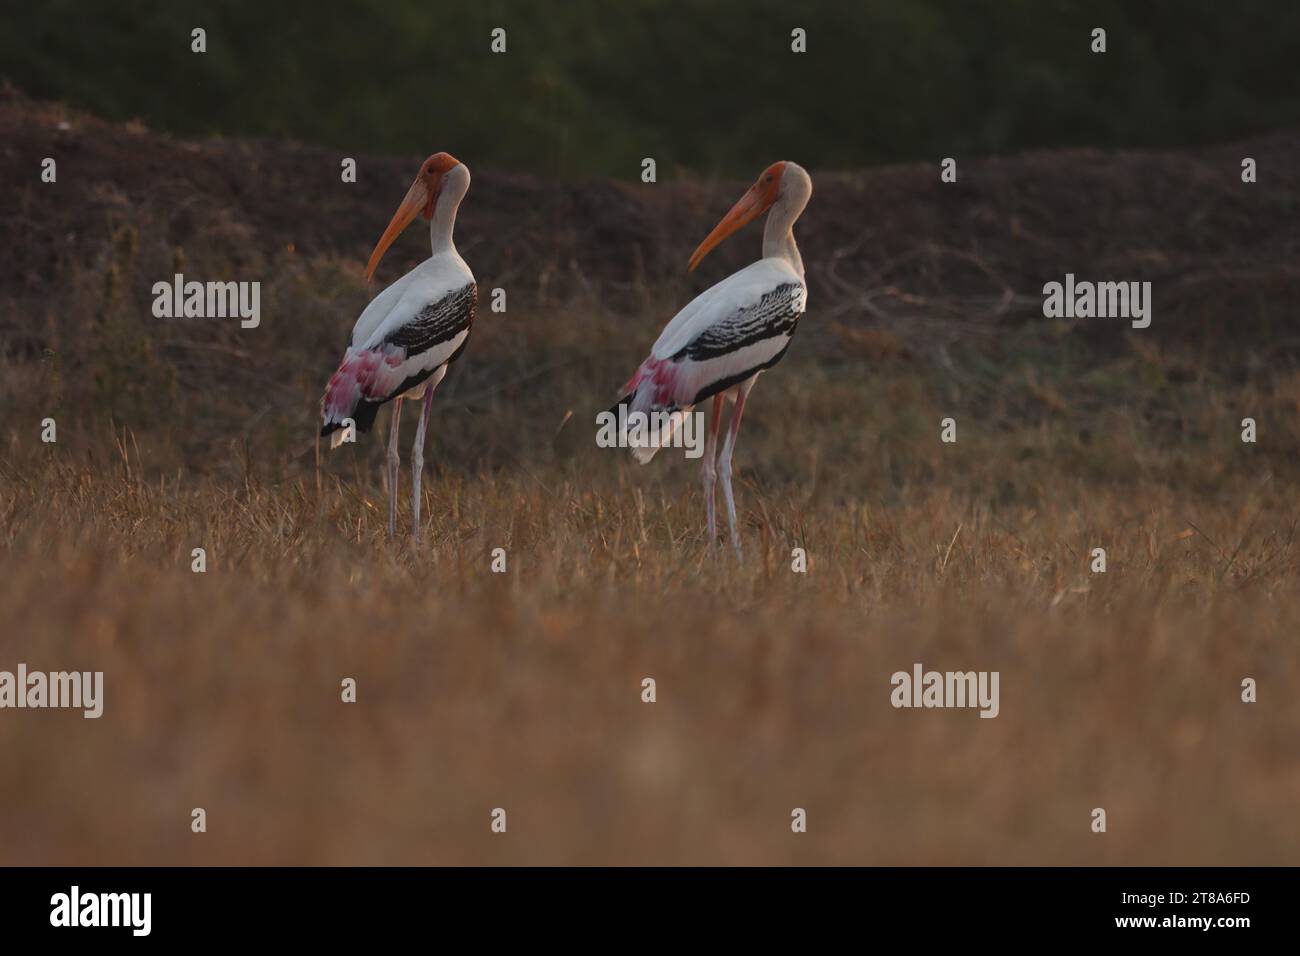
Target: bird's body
x=726, y=336
x=411, y=331
x=718, y=345
x=407, y=334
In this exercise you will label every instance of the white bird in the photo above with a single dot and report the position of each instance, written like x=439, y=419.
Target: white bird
x=727, y=336
x=409, y=333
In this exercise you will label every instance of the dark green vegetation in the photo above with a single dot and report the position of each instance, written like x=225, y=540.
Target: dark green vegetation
x=592, y=87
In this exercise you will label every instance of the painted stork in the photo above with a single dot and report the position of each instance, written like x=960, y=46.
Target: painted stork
x=718, y=345
x=409, y=333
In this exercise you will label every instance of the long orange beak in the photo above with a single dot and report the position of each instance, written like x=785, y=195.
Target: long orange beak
x=418, y=199
x=753, y=204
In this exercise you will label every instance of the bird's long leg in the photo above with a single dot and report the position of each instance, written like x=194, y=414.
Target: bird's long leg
x=417, y=462
x=724, y=464
x=711, y=469
x=394, y=459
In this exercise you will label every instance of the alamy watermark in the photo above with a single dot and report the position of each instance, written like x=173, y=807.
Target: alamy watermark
x=1103, y=300
x=660, y=429
x=77, y=690
x=179, y=299
x=922, y=688
x=75, y=908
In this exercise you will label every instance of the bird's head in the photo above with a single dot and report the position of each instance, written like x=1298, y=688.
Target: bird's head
x=778, y=182
x=421, y=199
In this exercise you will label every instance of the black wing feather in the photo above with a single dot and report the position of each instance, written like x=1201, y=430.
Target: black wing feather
x=776, y=313
x=437, y=322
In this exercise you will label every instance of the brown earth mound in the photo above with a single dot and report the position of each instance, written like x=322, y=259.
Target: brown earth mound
x=881, y=246
x=943, y=282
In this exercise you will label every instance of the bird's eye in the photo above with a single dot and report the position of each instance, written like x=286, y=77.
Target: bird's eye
x=767, y=178
x=429, y=171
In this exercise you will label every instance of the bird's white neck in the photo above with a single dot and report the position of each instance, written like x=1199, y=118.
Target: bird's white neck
x=454, y=186
x=442, y=225
x=778, y=232
x=778, y=242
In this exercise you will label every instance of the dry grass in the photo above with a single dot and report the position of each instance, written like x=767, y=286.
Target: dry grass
x=522, y=690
